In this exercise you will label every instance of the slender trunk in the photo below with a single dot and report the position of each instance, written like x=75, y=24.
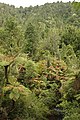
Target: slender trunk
x=6, y=73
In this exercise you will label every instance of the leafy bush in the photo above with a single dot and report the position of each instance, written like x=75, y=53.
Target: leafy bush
x=28, y=107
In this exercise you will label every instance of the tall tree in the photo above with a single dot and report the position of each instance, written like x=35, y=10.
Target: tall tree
x=11, y=37
x=31, y=40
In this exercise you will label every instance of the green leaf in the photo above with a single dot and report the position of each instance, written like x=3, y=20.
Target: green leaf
x=3, y=63
x=14, y=94
x=77, y=97
x=7, y=88
x=11, y=95
x=12, y=80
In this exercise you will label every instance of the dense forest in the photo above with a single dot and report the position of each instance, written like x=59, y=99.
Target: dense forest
x=40, y=62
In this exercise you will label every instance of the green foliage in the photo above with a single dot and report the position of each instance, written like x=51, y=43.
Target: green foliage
x=11, y=37
x=68, y=55
x=31, y=71
x=70, y=100
x=30, y=40
x=29, y=107
x=15, y=89
x=50, y=44
x=76, y=5
x=40, y=47
x=71, y=36
x=49, y=96
x=72, y=111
